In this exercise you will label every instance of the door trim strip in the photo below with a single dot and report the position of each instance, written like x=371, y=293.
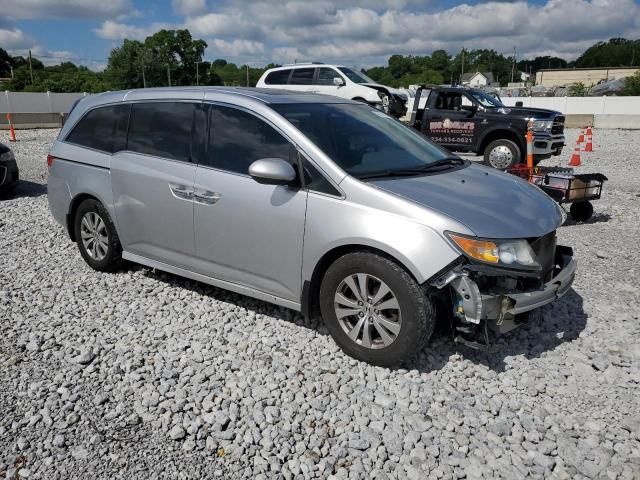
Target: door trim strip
x=234, y=287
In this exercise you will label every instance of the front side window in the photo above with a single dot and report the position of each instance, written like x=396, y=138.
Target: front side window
x=278, y=77
x=485, y=100
x=162, y=129
x=302, y=76
x=326, y=76
x=238, y=138
x=103, y=128
x=356, y=77
x=360, y=139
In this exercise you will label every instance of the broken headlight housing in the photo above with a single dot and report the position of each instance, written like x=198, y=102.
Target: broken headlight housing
x=501, y=253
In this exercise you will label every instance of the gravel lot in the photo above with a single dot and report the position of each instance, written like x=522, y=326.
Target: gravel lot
x=141, y=374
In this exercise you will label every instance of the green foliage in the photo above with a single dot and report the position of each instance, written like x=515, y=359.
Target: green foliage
x=617, y=52
x=632, y=84
x=174, y=57
x=578, y=90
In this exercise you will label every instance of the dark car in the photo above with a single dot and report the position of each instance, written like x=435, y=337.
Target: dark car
x=8, y=170
x=469, y=120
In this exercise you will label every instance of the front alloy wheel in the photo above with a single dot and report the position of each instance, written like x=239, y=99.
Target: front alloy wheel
x=368, y=311
x=374, y=309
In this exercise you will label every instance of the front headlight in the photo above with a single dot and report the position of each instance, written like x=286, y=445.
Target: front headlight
x=507, y=253
x=542, y=125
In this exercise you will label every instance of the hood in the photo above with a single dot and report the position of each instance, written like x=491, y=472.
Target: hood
x=490, y=203
x=384, y=88
x=537, y=113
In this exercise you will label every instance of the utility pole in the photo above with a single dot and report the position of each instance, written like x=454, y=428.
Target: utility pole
x=513, y=65
x=30, y=68
x=247, y=74
x=197, y=75
x=144, y=79
x=461, y=74
x=168, y=75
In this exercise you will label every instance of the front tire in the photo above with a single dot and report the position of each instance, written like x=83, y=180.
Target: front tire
x=581, y=211
x=96, y=237
x=375, y=310
x=502, y=154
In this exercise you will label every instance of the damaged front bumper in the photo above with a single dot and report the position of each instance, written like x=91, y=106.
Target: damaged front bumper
x=477, y=311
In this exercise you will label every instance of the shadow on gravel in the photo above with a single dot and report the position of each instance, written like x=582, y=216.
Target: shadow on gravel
x=596, y=218
x=26, y=188
x=559, y=322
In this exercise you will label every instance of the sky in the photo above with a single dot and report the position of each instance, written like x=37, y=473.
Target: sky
x=351, y=32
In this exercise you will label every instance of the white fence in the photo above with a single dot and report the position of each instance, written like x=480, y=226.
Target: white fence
x=581, y=105
x=36, y=102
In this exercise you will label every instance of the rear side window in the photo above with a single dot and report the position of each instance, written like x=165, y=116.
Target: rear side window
x=302, y=76
x=162, y=129
x=103, y=128
x=237, y=139
x=279, y=77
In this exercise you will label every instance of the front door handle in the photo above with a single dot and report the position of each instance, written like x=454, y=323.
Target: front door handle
x=206, y=197
x=436, y=116
x=181, y=191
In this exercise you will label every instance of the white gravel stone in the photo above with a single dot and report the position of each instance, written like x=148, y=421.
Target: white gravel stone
x=143, y=374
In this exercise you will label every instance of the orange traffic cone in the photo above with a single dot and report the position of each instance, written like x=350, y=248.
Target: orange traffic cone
x=575, y=158
x=589, y=146
x=581, y=136
x=12, y=131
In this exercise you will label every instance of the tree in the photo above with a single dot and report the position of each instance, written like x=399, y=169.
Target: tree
x=578, y=89
x=167, y=55
x=632, y=85
x=617, y=52
x=5, y=64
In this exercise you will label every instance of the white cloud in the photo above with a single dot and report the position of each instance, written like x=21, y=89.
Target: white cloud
x=189, y=7
x=14, y=39
x=119, y=31
x=236, y=48
x=33, y=9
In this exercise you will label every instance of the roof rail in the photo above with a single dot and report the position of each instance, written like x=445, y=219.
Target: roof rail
x=302, y=63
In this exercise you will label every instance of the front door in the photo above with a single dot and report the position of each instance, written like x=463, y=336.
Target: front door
x=152, y=182
x=247, y=233
x=449, y=124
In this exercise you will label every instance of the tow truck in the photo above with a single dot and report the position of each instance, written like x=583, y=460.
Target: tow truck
x=464, y=119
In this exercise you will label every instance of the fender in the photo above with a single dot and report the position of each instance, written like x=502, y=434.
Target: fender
x=501, y=128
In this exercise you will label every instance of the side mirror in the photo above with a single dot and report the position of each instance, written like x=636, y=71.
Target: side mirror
x=338, y=81
x=272, y=171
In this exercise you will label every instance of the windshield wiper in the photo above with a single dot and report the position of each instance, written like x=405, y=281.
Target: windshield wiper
x=407, y=172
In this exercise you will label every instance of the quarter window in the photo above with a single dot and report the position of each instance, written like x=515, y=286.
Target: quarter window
x=302, y=76
x=326, y=76
x=102, y=128
x=237, y=139
x=162, y=129
x=278, y=77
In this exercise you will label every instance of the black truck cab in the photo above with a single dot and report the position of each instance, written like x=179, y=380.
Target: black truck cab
x=470, y=120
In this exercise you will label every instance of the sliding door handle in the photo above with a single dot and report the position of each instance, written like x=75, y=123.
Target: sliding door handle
x=181, y=191
x=206, y=197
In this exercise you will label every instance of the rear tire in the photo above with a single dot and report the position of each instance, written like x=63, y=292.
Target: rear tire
x=502, y=154
x=97, y=237
x=384, y=336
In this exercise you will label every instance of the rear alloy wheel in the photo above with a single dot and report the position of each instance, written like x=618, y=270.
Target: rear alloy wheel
x=96, y=237
x=374, y=309
x=501, y=154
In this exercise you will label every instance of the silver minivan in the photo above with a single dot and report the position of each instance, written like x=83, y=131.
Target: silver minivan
x=315, y=203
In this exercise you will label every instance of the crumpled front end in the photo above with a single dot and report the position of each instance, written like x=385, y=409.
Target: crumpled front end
x=488, y=301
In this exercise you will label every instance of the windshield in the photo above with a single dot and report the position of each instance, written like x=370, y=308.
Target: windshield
x=360, y=139
x=486, y=100
x=356, y=77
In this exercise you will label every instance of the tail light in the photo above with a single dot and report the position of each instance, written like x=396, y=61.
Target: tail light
x=50, y=160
